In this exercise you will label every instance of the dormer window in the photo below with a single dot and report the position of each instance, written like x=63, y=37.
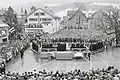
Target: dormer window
x=42, y=14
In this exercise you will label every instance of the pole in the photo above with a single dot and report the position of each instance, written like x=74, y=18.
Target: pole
x=39, y=18
x=79, y=22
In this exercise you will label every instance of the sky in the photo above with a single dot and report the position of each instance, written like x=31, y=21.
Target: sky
x=26, y=4
x=6, y=3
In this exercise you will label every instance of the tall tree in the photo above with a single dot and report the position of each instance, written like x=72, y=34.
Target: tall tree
x=11, y=18
x=109, y=21
x=25, y=12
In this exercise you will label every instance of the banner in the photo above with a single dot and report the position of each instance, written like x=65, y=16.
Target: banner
x=11, y=30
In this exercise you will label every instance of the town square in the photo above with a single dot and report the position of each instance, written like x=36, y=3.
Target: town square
x=60, y=40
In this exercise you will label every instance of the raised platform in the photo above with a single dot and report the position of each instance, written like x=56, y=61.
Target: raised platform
x=66, y=55
x=47, y=52
x=78, y=55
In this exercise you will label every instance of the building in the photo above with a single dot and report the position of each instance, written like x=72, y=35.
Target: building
x=3, y=32
x=42, y=19
x=77, y=19
x=2, y=17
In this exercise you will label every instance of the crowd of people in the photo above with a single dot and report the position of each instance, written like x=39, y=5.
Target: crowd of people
x=12, y=50
x=17, y=46
x=110, y=73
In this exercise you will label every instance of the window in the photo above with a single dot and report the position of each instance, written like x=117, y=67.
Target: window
x=46, y=24
x=49, y=19
x=4, y=40
x=36, y=14
x=46, y=19
x=42, y=14
x=32, y=19
x=40, y=19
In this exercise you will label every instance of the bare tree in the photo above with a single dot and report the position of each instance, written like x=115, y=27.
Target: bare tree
x=109, y=21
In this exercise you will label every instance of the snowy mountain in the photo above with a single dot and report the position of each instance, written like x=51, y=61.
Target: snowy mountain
x=64, y=12
x=105, y=4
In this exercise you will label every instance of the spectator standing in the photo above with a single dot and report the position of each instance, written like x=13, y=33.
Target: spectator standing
x=22, y=53
x=89, y=55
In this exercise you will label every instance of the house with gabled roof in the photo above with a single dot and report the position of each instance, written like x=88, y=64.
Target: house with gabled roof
x=77, y=19
x=42, y=19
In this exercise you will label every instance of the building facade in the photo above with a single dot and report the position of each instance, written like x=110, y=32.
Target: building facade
x=2, y=17
x=42, y=19
x=3, y=32
x=77, y=19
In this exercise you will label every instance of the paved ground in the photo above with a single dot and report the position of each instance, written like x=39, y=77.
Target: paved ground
x=32, y=61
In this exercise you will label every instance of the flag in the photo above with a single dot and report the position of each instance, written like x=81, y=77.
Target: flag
x=11, y=30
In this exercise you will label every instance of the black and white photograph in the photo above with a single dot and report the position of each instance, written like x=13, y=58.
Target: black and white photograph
x=60, y=40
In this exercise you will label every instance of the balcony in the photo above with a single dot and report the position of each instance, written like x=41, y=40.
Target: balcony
x=34, y=26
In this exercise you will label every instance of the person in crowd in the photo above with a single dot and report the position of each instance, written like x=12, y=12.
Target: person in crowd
x=110, y=73
x=22, y=53
x=89, y=55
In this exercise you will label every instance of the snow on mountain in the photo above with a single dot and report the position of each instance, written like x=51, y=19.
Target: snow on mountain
x=64, y=12
x=51, y=5
x=95, y=3
x=105, y=4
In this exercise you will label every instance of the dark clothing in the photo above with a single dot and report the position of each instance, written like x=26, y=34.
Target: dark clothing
x=89, y=54
x=85, y=54
x=22, y=54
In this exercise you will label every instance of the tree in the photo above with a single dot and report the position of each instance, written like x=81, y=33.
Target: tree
x=33, y=8
x=26, y=15
x=11, y=18
x=25, y=12
x=110, y=21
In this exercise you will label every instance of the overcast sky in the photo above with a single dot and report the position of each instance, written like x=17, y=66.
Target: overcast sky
x=6, y=3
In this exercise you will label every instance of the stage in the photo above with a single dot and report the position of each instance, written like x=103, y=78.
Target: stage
x=59, y=55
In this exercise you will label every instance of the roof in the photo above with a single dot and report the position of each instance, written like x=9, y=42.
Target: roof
x=2, y=24
x=47, y=11
x=75, y=12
